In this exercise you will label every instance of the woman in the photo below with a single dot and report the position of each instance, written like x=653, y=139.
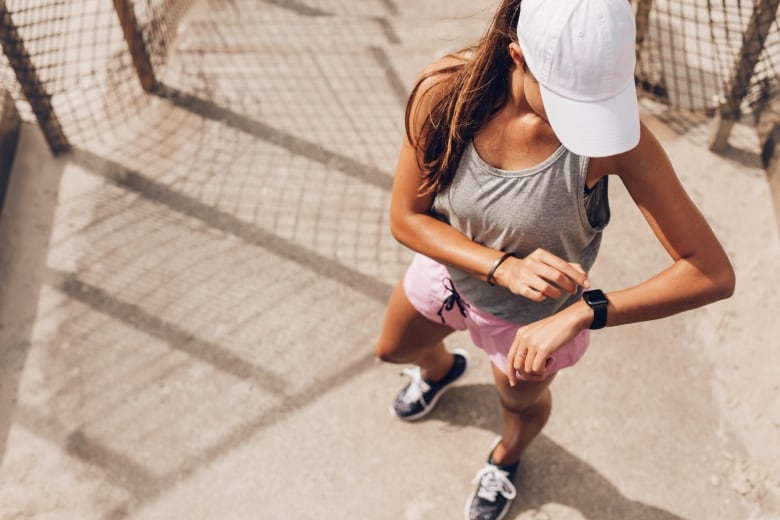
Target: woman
x=501, y=189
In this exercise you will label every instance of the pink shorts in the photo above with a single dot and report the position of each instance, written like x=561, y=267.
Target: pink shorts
x=430, y=290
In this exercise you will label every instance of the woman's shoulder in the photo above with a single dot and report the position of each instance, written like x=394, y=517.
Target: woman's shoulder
x=632, y=162
x=433, y=85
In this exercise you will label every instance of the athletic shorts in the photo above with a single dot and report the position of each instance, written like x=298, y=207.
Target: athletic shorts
x=430, y=290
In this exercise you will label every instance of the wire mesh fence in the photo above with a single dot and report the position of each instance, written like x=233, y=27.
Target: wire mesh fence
x=76, y=65
x=67, y=63
x=688, y=52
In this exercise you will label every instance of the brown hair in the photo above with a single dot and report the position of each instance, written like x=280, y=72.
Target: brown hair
x=475, y=89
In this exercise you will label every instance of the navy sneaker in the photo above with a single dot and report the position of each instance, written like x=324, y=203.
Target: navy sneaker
x=420, y=396
x=494, y=492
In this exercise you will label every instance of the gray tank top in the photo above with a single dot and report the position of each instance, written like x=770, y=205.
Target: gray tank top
x=546, y=206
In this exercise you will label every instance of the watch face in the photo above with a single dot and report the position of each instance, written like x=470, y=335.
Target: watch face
x=594, y=297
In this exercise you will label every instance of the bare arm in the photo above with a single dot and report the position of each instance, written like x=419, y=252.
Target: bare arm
x=411, y=222
x=700, y=272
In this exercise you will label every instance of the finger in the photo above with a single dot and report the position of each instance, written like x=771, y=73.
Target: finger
x=531, y=377
x=572, y=275
x=578, y=267
x=539, y=365
x=528, y=363
x=542, y=286
x=519, y=360
x=573, y=271
x=557, y=271
x=560, y=279
x=513, y=362
x=511, y=373
x=519, y=367
x=529, y=293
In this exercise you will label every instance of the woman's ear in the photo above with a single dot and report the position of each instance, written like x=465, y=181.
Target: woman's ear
x=516, y=54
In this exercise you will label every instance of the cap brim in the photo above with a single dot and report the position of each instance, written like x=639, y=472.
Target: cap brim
x=595, y=129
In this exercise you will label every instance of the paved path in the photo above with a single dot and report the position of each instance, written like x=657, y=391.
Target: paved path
x=188, y=310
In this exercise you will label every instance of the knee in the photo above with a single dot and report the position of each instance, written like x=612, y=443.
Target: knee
x=540, y=409
x=386, y=351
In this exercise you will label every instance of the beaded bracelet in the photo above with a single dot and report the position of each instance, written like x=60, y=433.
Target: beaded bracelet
x=489, y=278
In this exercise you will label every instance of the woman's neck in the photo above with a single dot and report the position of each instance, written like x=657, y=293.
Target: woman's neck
x=516, y=91
x=516, y=137
x=514, y=140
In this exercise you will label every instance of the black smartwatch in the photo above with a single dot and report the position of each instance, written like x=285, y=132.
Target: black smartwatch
x=597, y=301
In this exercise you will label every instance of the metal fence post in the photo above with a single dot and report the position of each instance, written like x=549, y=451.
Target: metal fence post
x=10, y=126
x=768, y=130
x=134, y=38
x=752, y=45
x=32, y=86
x=642, y=10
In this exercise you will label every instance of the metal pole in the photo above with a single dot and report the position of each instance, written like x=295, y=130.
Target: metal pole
x=768, y=129
x=752, y=44
x=10, y=126
x=642, y=10
x=134, y=38
x=32, y=86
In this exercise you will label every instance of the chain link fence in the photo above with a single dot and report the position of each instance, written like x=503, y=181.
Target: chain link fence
x=75, y=65
x=690, y=53
x=82, y=68
x=711, y=59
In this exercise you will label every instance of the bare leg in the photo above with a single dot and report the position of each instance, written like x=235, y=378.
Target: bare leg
x=409, y=337
x=526, y=408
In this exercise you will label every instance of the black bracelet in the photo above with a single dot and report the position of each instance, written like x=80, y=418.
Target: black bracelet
x=489, y=277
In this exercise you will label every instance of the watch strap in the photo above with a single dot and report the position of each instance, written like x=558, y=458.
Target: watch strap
x=597, y=301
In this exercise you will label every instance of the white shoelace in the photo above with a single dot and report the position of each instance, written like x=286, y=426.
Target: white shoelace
x=417, y=386
x=492, y=481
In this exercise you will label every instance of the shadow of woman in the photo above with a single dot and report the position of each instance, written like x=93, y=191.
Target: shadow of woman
x=549, y=473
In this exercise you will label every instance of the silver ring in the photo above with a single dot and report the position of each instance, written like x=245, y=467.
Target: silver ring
x=521, y=354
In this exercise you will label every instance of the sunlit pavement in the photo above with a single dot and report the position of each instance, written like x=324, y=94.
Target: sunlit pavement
x=189, y=307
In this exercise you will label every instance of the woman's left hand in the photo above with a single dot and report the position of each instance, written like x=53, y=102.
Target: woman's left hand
x=535, y=343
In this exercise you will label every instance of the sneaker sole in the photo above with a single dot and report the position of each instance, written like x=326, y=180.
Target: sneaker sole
x=436, y=398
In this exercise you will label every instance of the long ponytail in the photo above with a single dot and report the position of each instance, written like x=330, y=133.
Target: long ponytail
x=476, y=88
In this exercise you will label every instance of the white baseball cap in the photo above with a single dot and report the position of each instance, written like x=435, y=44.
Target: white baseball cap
x=582, y=53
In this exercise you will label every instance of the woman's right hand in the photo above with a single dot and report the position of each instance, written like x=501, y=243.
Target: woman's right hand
x=540, y=275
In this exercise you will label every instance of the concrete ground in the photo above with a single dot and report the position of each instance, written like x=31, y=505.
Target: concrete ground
x=188, y=307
